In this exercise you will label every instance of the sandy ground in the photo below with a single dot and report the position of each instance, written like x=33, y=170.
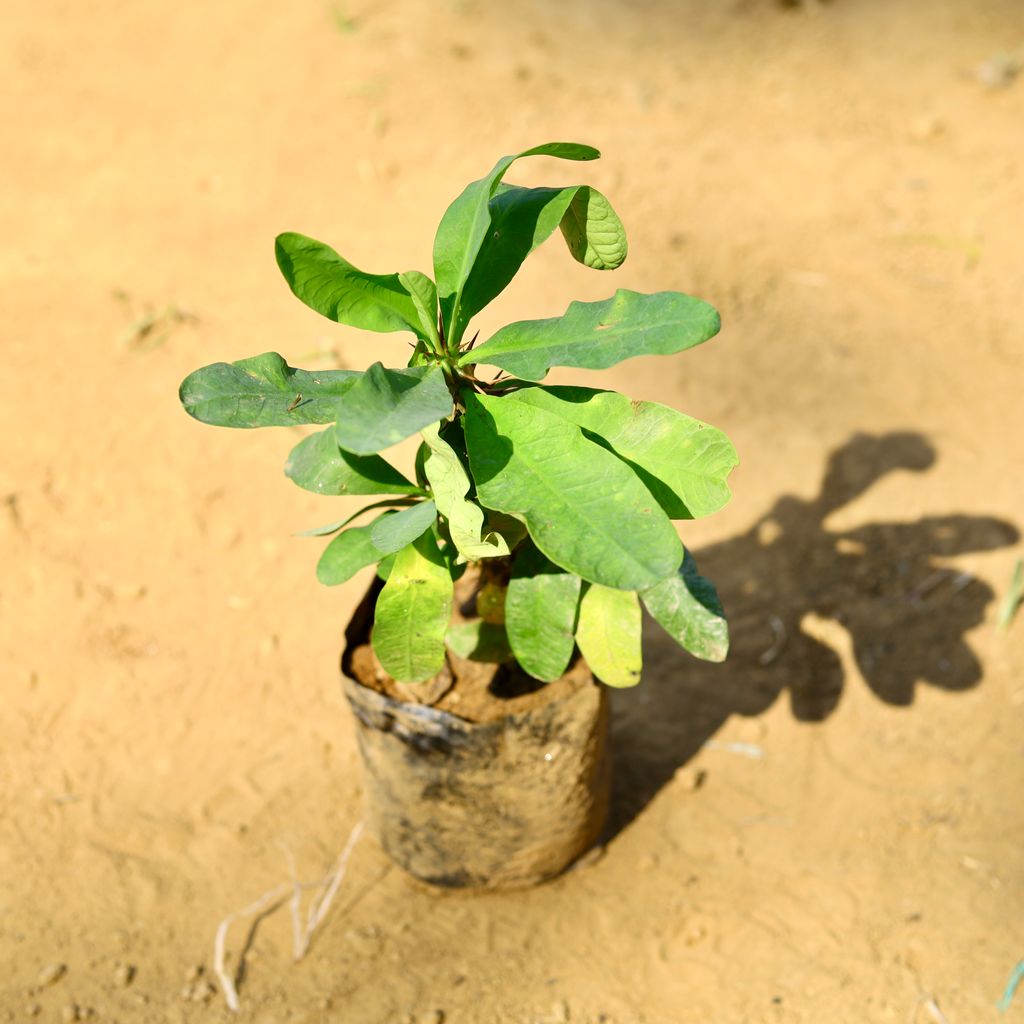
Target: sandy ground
x=829, y=827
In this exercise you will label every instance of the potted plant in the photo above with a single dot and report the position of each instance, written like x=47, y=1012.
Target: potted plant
x=512, y=566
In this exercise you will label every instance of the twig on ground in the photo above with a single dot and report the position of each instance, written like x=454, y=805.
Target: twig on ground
x=928, y=1002
x=227, y=983
x=327, y=889
x=320, y=905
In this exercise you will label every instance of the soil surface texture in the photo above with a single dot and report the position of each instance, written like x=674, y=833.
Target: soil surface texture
x=827, y=827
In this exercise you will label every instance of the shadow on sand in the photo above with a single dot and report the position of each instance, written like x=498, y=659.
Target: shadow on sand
x=906, y=617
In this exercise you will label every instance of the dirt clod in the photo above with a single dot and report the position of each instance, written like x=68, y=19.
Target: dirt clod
x=51, y=974
x=123, y=975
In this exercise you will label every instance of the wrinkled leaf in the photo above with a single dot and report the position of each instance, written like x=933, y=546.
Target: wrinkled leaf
x=608, y=634
x=479, y=641
x=684, y=463
x=540, y=614
x=412, y=614
x=686, y=606
x=593, y=231
x=317, y=464
x=465, y=224
x=347, y=554
x=393, y=532
x=583, y=507
x=329, y=284
x=384, y=407
x=449, y=484
x=263, y=391
x=596, y=335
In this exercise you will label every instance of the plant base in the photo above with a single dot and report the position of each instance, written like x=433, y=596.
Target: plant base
x=491, y=805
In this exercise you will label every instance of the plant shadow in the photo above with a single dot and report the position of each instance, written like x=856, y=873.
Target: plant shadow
x=907, y=619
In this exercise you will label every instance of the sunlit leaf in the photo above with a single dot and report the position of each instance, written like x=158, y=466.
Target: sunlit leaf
x=413, y=611
x=582, y=505
x=329, y=284
x=384, y=407
x=449, y=484
x=465, y=224
x=347, y=554
x=684, y=463
x=596, y=335
x=393, y=532
x=317, y=464
x=263, y=391
x=608, y=634
x=593, y=231
x=424, y=297
x=540, y=614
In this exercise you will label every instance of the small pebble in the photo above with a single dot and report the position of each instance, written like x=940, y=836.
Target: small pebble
x=431, y=1017
x=323, y=1004
x=560, y=1012
x=33, y=1010
x=123, y=975
x=70, y=1013
x=194, y=973
x=51, y=974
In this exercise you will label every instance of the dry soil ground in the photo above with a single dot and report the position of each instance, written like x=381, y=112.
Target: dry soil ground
x=828, y=827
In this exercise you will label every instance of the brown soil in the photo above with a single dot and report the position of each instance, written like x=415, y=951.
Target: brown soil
x=826, y=828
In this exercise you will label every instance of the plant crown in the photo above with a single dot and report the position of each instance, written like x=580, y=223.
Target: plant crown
x=565, y=496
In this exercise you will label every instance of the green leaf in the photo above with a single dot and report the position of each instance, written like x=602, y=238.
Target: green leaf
x=413, y=611
x=523, y=218
x=479, y=641
x=424, y=297
x=520, y=220
x=465, y=224
x=583, y=507
x=317, y=464
x=593, y=231
x=329, y=284
x=596, y=335
x=608, y=634
x=263, y=391
x=347, y=554
x=323, y=531
x=395, y=531
x=384, y=407
x=540, y=614
x=684, y=463
x=686, y=606
x=449, y=484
